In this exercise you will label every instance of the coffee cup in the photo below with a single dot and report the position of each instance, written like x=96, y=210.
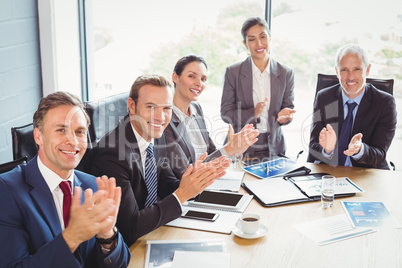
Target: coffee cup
x=249, y=223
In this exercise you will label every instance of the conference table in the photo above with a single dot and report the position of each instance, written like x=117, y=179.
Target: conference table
x=284, y=246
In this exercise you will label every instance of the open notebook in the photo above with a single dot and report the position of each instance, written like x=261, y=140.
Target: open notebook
x=282, y=191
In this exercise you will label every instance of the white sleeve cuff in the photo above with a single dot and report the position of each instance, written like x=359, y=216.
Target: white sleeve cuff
x=178, y=201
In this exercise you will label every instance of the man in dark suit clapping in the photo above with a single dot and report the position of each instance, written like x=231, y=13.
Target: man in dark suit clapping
x=353, y=122
x=135, y=153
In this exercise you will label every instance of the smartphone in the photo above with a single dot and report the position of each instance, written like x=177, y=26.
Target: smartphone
x=199, y=215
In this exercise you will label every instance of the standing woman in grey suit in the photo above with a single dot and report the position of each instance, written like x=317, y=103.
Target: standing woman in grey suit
x=187, y=136
x=259, y=91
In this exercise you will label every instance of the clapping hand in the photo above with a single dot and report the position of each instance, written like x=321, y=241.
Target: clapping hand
x=355, y=145
x=327, y=139
x=285, y=115
x=96, y=216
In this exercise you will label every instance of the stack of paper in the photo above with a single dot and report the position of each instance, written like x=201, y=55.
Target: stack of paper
x=194, y=259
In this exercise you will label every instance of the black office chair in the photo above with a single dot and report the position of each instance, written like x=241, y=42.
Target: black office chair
x=23, y=142
x=105, y=115
x=12, y=164
x=387, y=85
x=327, y=80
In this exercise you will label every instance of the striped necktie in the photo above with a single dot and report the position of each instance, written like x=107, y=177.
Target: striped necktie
x=150, y=176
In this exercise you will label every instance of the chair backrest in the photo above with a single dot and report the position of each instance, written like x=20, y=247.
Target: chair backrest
x=23, y=142
x=327, y=80
x=12, y=164
x=105, y=115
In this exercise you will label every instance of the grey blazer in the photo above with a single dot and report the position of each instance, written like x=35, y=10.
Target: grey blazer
x=180, y=150
x=237, y=105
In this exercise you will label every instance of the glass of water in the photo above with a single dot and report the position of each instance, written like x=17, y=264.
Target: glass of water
x=327, y=191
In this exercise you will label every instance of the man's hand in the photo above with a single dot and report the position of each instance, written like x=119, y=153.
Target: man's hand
x=219, y=164
x=114, y=193
x=193, y=183
x=355, y=145
x=238, y=143
x=327, y=139
x=97, y=215
x=259, y=107
x=285, y=115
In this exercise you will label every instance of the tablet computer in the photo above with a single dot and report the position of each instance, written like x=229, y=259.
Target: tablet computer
x=219, y=199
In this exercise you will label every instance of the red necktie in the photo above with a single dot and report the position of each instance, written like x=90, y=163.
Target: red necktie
x=67, y=197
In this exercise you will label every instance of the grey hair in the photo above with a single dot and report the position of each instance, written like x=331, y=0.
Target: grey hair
x=351, y=49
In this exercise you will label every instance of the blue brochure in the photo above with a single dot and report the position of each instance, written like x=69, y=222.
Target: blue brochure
x=369, y=214
x=275, y=168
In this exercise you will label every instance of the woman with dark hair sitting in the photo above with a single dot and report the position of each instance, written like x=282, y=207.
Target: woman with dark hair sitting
x=187, y=137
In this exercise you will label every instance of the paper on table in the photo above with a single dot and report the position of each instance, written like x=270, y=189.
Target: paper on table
x=274, y=190
x=343, y=186
x=230, y=182
x=331, y=229
x=194, y=259
x=160, y=253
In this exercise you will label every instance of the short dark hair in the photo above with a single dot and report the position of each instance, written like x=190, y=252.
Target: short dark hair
x=182, y=63
x=250, y=22
x=147, y=79
x=54, y=100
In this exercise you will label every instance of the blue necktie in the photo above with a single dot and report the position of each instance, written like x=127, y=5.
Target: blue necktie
x=346, y=131
x=150, y=176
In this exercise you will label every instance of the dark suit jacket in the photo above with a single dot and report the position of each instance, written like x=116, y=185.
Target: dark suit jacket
x=30, y=228
x=180, y=149
x=375, y=119
x=117, y=155
x=237, y=106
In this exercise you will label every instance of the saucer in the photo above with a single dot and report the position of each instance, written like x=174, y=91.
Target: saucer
x=263, y=230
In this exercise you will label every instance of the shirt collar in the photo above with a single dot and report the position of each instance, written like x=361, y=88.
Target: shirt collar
x=255, y=69
x=142, y=143
x=52, y=179
x=357, y=99
x=182, y=116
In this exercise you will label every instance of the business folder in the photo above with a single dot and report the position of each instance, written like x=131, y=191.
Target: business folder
x=298, y=189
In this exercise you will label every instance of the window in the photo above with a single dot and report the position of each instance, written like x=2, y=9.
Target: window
x=129, y=39
x=306, y=35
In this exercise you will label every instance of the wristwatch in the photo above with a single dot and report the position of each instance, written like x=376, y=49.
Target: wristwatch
x=109, y=240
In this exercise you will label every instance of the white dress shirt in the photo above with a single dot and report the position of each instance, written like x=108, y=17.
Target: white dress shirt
x=262, y=89
x=193, y=130
x=142, y=146
x=53, y=180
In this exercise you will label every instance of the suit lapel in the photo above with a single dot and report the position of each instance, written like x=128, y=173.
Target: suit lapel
x=362, y=110
x=133, y=154
x=42, y=197
x=201, y=124
x=276, y=85
x=246, y=82
x=77, y=183
x=180, y=131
